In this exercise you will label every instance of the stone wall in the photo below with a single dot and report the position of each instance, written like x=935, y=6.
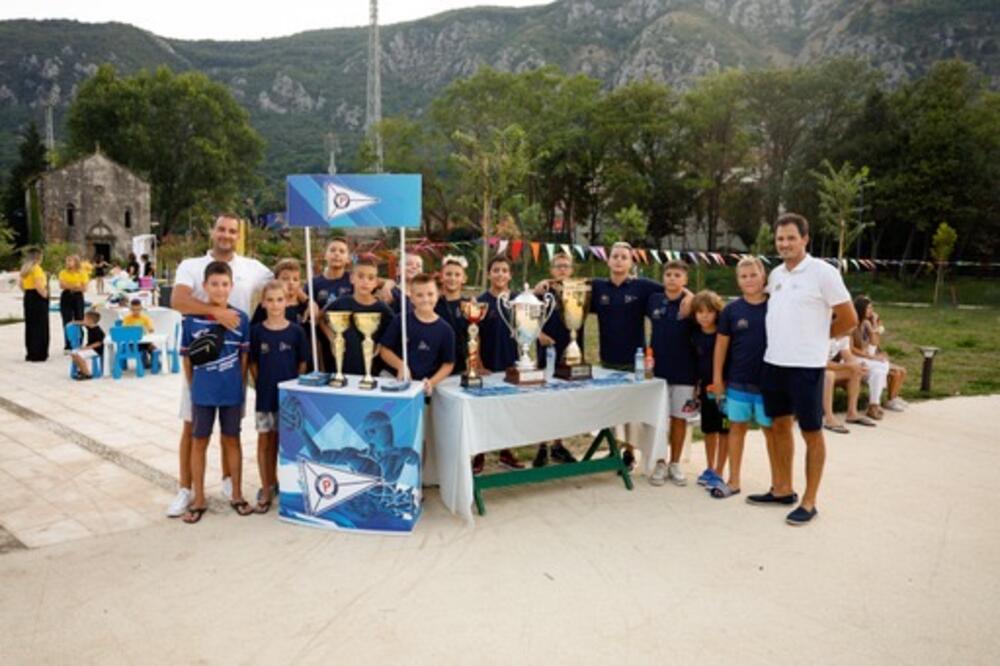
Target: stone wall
x=106, y=203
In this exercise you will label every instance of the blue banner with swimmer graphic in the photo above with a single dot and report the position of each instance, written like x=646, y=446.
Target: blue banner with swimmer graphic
x=354, y=200
x=350, y=461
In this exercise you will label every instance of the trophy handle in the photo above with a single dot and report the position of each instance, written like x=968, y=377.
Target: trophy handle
x=550, y=306
x=503, y=303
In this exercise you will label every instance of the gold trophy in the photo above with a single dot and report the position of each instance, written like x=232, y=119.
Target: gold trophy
x=474, y=312
x=367, y=324
x=339, y=321
x=527, y=316
x=574, y=294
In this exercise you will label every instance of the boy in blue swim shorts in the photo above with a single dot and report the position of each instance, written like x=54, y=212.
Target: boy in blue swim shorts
x=739, y=357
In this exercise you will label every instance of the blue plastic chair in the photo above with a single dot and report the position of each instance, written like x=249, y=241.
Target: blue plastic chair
x=74, y=333
x=126, y=339
x=174, y=350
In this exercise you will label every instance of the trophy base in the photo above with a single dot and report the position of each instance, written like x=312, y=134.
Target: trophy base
x=472, y=382
x=338, y=382
x=524, y=377
x=575, y=372
x=367, y=384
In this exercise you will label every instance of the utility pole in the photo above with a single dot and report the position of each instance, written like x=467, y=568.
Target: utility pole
x=373, y=114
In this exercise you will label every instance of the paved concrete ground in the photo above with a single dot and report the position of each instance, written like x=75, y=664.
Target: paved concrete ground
x=901, y=566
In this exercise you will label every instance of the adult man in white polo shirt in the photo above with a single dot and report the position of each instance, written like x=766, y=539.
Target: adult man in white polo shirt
x=808, y=304
x=188, y=297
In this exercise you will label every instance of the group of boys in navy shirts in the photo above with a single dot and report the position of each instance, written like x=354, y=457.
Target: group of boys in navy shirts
x=273, y=347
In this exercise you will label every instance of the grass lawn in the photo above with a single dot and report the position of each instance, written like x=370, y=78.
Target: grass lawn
x=969, y=360
x=968, y=363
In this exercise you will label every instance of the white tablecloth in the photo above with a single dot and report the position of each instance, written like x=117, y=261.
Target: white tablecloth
x=463, y=424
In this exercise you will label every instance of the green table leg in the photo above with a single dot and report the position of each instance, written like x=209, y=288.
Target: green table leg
x=612, y=463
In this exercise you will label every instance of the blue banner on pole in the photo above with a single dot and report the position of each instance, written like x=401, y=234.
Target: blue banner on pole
x=353, y=200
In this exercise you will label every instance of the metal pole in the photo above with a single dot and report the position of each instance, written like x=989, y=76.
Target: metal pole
x=402, y=305
x=309, y=285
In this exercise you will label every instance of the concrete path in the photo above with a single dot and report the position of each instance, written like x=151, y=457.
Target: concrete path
x=900, y=567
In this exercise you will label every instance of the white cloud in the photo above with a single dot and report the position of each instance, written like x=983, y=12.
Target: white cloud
x=197, y=19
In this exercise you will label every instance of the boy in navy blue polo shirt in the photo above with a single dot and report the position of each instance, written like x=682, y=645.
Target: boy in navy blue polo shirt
x=674, y=356
x=449, y=307
x=335, y=280
x=216, y=387
x=555, y=334
x=497, y=347
x=739, y=361
x=328, y=286
x=430, y=341
x=364, y=279
x=297, y=310
x=620, y=305
x=278, y=352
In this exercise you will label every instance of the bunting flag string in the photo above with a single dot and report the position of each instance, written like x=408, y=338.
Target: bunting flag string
x=515, y=248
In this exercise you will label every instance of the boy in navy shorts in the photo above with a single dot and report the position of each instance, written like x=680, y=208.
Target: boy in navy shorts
x=707, y=306
x=216, y=388
x=278, y=352
x=675, y=362
x=430, y=341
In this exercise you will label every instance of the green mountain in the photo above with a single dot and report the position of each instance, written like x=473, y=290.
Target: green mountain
x=299, y=88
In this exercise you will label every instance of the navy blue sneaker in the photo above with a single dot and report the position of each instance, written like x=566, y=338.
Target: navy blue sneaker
x=771, y=498
x=801, y=516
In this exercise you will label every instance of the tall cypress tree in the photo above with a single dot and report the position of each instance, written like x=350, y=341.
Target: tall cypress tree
x=31, y=162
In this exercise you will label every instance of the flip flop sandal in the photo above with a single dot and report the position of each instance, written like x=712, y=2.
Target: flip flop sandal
x=263, y=507
x=862, y=421
x=195, y=514
x=242, y=508
x=839, y=429
x=722, y=491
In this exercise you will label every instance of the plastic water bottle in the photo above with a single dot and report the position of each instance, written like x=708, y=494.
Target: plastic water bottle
x=640, y=364
x=550, y=362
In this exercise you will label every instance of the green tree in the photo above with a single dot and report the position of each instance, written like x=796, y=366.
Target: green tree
x=718, y=147
x=409, y=146
x=8, y=247
x=942, y=245
x=493, y=167
x=943, y=169
x=183, y=132
x=781, y=105
x=764, y=243
x=629, y=226
x=31, y=162
x=644, y=164
x=839, y=191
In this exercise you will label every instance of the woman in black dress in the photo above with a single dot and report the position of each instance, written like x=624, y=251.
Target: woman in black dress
x=100, y=270
x=34, y=283
x=73, y=283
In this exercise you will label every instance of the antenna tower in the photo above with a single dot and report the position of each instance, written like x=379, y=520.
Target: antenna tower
x=50, y=133
x=373, y=113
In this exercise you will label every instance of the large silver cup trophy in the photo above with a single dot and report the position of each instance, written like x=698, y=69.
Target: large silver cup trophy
x=527, y=315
